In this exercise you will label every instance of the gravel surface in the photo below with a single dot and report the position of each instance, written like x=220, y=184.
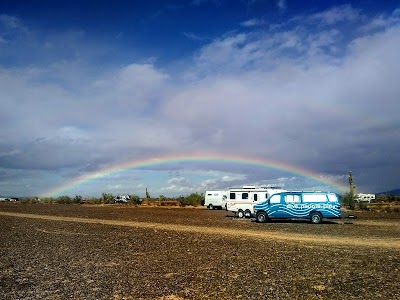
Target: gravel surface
x=126, y=252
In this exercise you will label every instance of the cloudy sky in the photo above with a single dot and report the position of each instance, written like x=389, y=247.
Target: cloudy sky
x=89, y=85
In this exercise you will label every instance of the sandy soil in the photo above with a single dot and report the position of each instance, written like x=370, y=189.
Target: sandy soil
x=124, y=252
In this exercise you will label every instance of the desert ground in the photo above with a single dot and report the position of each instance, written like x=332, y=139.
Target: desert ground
x=54, y=251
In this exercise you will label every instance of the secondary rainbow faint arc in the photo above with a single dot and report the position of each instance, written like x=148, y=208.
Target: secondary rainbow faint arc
x=225, y=158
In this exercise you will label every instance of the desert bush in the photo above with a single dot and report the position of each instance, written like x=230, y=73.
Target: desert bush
x=92, y=200
x=30, y=200
x=77, y=199
x=362, y=206
x=193, y=199
x=64, y=199
x=345, y=200
x=135, y=199
x=388, y=198
x=107, y=198
x=170, y=203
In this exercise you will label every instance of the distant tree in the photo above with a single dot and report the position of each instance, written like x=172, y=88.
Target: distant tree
x=135, y=199
x=77, y=199
x=64, y=199
x=194, y=199
x=181, y=199
x=345, y=199
x=107, y=198
x=352, y=191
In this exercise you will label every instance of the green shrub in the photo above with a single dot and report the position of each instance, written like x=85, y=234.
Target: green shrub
x=107, y=198
x=64, y=199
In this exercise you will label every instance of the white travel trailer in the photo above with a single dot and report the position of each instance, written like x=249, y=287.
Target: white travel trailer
x=122, y=199
x=215, y=199
x=364, y=197
x=241, y=200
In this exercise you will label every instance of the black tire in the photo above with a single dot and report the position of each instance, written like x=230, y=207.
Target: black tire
x=247, y=213
x=210, y=206
x=315, y=217
x=261, y=217
x=240, y=213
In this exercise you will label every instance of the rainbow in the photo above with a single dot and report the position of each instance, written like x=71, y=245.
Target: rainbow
x=196, y=157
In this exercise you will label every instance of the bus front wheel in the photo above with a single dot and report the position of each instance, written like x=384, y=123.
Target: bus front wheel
x=261, y=217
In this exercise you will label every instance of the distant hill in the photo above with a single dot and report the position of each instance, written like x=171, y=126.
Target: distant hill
x=395, y=192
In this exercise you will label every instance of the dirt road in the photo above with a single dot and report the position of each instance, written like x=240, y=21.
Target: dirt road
x=267, y=235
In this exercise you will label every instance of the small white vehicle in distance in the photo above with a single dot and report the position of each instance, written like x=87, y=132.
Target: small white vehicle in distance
x=215, y=199
x=122, y=199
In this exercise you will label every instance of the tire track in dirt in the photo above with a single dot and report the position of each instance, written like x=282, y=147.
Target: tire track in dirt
x=228, y=232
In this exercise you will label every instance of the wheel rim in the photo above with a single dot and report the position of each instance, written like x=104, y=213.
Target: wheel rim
x=316, y=218
x=261, y=218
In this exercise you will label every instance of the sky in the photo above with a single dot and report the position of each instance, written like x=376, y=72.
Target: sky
x=293, y=93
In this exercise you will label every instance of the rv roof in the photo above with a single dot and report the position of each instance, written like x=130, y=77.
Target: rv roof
x=249, y=187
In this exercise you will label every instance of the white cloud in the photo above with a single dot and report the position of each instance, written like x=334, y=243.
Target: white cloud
x=281, y=4
x=293, y=93
x=344, y=13
x=194, y=37
x=252, y=23
x=228, y=178
x=11, y=22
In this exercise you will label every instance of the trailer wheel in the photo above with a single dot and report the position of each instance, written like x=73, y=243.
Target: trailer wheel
x=240, y=213
x=315, y=217
x=210, y=207
x=247, y=213
x=261, y=217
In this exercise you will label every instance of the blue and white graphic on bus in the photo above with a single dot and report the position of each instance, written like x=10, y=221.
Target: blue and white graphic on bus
x=307, y=205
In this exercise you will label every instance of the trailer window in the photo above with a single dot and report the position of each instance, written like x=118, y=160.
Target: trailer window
x=245, y=196
x=255, y=197
x=232, y=196
x=266, y=196
x=292, y=198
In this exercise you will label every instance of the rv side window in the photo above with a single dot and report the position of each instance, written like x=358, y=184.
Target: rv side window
x=209, y=194
x=314, y=198
x=266, y=196
x=245, y=196
x=255, y=197
x=292, y=198
x=275, y=199
x=232, y=196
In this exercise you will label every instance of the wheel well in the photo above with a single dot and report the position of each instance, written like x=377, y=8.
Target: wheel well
x=315, y=211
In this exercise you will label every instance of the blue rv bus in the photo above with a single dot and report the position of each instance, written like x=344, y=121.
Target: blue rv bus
x=306, y=205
